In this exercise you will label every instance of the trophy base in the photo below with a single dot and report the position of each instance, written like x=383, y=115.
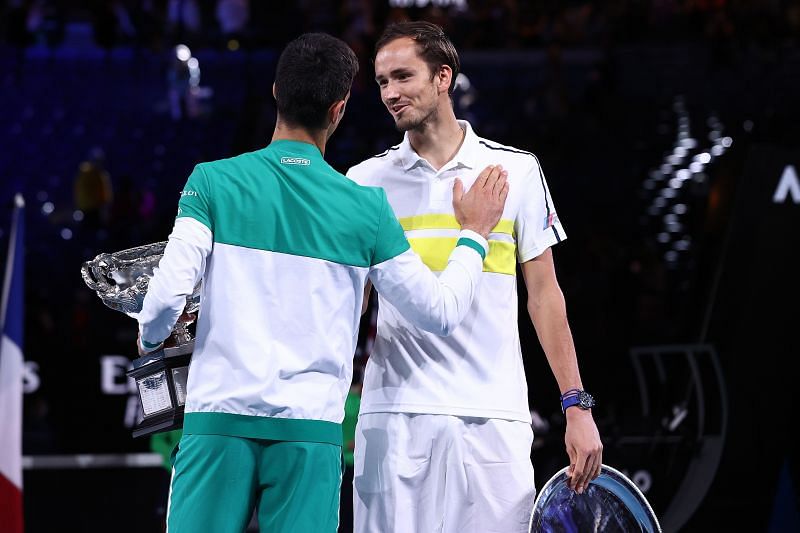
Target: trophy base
x=158, y=423
x=161, y=385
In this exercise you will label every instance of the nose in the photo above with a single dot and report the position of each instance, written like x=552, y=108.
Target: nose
x=390, y=94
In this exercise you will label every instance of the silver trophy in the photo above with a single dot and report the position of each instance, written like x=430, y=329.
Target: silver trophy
x=611, y=503
x=121, y=279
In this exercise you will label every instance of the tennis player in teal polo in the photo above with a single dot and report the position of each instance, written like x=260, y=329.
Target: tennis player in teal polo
x=284, y=246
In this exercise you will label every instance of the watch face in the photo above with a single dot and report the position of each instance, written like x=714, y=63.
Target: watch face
x=586, y=400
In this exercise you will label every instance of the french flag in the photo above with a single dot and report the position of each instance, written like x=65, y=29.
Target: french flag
x=11, y=365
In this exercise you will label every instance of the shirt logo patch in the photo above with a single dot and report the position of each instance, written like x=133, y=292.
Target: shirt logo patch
x=550, y=220
x=295, y=161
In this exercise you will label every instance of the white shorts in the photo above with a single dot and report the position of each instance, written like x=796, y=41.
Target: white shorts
x=439, y=473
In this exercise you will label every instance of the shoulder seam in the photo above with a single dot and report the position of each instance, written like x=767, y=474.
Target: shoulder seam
x=505, y=149
x=210, y=206
x=384, y=154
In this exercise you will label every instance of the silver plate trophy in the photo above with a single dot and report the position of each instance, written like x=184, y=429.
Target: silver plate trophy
x=120, y=279
x=610, y=504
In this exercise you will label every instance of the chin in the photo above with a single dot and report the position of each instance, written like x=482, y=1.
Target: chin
x=406, y=124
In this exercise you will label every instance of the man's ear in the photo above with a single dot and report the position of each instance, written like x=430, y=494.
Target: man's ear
x=444, y=77
x=335, y=111
x=274, y=95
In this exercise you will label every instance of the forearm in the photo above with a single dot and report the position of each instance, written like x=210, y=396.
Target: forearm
x=435, y=304
x=548, y=313
x=175, y=278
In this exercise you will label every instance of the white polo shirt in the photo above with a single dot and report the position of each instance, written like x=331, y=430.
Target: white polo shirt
x=477, y=370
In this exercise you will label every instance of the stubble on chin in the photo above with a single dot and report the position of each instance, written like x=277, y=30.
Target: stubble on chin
x=414, y=123
x=405, y=125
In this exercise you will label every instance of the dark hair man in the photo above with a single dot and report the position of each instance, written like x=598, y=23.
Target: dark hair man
x=463, y=398
x=284, y=246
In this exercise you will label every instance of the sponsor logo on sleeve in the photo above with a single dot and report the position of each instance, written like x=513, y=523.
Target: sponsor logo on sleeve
x=550, y=220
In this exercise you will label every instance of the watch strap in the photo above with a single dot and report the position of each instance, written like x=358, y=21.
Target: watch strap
x=576, y=397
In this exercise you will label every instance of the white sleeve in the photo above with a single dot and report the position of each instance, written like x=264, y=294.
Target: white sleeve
x=435, y=304
x=537, y=226
x=360, y=175
x=175, y=278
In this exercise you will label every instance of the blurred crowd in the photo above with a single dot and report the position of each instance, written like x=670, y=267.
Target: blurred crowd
x=472, y=24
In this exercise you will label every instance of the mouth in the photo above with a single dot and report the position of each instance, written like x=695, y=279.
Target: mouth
x=398, y=108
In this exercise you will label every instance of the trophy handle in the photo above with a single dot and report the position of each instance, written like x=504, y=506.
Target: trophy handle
x=93, y=275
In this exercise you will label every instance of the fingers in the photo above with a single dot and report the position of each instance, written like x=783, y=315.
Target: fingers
x=489, y=176
x=585, y=450
x=492, y=184
x=504, y=192
x=591, y=471
x=596, y=464
x=139, y=346
x=579, y=475
x=484, y=176
x=583, y=470
x=501, y=182
x=577, y=469
x=571, y=470
x=492, y=179
x=458, y=190
x=480, y=207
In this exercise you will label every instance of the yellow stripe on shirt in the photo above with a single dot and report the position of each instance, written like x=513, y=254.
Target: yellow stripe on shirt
x=444, y=221
x=435, y=251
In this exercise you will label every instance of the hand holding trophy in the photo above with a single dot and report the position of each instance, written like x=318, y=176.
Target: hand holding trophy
x=611, y=503
x=121, y=279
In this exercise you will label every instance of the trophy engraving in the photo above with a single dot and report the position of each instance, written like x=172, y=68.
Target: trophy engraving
x=120, y=280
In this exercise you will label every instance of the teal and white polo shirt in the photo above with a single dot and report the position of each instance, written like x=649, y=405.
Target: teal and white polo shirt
x=284, y=245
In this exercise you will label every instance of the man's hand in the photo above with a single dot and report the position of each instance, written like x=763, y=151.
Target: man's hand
x=584, y=448
x=482, y=206
x=141, y=349
x=186, y=318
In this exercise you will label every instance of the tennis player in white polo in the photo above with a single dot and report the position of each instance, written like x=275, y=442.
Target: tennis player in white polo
x=443, y=438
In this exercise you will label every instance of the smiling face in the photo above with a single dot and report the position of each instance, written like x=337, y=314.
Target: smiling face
x=409, y=90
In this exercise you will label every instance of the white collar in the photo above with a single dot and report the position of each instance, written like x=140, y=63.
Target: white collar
x=465, y=157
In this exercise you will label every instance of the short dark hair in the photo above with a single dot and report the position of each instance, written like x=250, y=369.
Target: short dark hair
x=434, y=47
x=314, y=71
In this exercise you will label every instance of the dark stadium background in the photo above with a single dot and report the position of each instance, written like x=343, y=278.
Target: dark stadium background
x=669, y=132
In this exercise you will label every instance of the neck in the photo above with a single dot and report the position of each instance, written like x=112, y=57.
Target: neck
x=439, y=139
x=286, y=132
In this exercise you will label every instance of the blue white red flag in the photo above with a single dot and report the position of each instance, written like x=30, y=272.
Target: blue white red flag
x=11, y=368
